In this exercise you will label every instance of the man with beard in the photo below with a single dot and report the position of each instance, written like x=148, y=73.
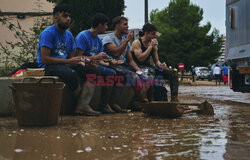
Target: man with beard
x=146, y=47
x=55, y=50
x=118, y=47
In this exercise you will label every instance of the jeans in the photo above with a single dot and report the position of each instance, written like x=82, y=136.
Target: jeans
x=72, y=75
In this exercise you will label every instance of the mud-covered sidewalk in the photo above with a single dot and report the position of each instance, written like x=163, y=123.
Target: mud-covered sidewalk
x=137, y=136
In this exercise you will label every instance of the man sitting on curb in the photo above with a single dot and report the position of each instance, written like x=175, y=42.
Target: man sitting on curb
x=55, y=51
x=146, y=47
x=89, y=44
x=118, y=47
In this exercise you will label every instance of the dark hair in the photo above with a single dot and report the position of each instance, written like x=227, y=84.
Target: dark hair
x=61, y=8
x=99, y=18
x=118, y=20
x=149, y=28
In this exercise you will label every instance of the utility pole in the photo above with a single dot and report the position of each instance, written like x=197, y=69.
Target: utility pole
x=146, y=11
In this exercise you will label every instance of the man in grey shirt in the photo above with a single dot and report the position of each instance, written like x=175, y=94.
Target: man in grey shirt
x=118, y=47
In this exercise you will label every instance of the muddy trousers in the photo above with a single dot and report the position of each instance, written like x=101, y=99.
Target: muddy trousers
x=173, y=82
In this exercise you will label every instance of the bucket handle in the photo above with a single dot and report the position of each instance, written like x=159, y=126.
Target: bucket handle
x=46, y=78
x=30, y=78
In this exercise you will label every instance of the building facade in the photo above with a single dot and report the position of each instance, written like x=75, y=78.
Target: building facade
x=23, y=11
x=222, y=58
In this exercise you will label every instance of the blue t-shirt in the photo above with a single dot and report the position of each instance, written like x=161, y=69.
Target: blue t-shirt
x=59, y=43
x=225, y=70
x=89, y=44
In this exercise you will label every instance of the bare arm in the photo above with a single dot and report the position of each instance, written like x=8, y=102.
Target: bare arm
x=131, y=62
x=141, y=56
x=156, y=57
x=46, y=59
x=118, y=50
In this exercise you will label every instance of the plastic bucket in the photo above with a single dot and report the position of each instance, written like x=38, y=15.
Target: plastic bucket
x=37, y=103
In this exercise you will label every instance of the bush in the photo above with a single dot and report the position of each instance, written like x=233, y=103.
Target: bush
x=25, y=48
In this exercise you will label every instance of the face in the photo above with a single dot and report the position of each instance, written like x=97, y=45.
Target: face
x=63, y=20
x=151, y=35
x=102, y=28
x=123, y=27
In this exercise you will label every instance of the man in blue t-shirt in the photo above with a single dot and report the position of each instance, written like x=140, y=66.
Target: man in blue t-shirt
x=224, y=70
x=55, y=50
x=89, y=44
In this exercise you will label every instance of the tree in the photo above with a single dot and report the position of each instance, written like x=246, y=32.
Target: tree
x=182, y=38
x=83, y=10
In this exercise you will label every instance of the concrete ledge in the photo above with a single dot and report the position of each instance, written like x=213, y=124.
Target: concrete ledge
x=6, y=99
x=69, y=101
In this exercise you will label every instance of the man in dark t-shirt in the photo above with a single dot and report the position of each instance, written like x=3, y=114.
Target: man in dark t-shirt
x=146, y=47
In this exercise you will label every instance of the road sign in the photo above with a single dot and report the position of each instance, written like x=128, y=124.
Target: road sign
x=181, y=66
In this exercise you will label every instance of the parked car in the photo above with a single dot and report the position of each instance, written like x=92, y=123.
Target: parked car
x=202, y=73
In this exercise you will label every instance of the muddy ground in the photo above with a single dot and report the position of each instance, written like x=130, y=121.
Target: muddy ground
x=132, y=136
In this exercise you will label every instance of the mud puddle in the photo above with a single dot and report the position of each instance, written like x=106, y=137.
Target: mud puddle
x=135, y=136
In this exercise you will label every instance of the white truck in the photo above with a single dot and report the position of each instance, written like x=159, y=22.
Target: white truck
x=238, y=44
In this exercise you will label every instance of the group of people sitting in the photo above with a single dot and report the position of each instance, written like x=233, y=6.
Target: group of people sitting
x=111, y=63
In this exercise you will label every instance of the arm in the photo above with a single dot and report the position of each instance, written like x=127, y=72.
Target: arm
x=46, y=59
x=118, y=50
x=156, y=57
x=141, y=56
x=157, y=62
x=131, y=62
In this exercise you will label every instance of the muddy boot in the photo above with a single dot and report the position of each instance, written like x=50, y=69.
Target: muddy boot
x=77, y=91
x=174, y=87
x=141, y=95
x=115, y=95
x=105, y=97
x=83, y=107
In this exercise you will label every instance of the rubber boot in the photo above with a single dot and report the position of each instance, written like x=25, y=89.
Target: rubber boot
x=105, y=97
x=141, y=95
x=174, y=87
x=83, y=106
x=115, y=95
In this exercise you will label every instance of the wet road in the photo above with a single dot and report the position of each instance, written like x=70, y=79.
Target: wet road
x=226, y=135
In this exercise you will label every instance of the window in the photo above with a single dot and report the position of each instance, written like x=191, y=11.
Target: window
x=232, y=18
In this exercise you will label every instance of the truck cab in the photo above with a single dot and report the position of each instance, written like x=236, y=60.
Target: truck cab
x=238, y=44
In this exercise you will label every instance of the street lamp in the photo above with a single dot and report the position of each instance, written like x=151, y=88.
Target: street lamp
x=146, y=11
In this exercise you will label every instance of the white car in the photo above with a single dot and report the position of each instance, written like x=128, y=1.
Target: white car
x=202, y=73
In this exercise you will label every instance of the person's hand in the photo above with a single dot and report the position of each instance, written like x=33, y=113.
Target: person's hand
x=130, y=35
x=101, y=55
x=77, y=60
x=87, y=61
x=113, y=63
x=120, y=61
x=163, y=65
x=154, y=43
x=140, y=69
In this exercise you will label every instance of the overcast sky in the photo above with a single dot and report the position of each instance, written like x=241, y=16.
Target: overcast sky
x=214, y=11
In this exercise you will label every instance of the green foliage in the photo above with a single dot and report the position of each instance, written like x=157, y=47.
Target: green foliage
x=83, y=10
x=182, y=38
x=25, y=48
